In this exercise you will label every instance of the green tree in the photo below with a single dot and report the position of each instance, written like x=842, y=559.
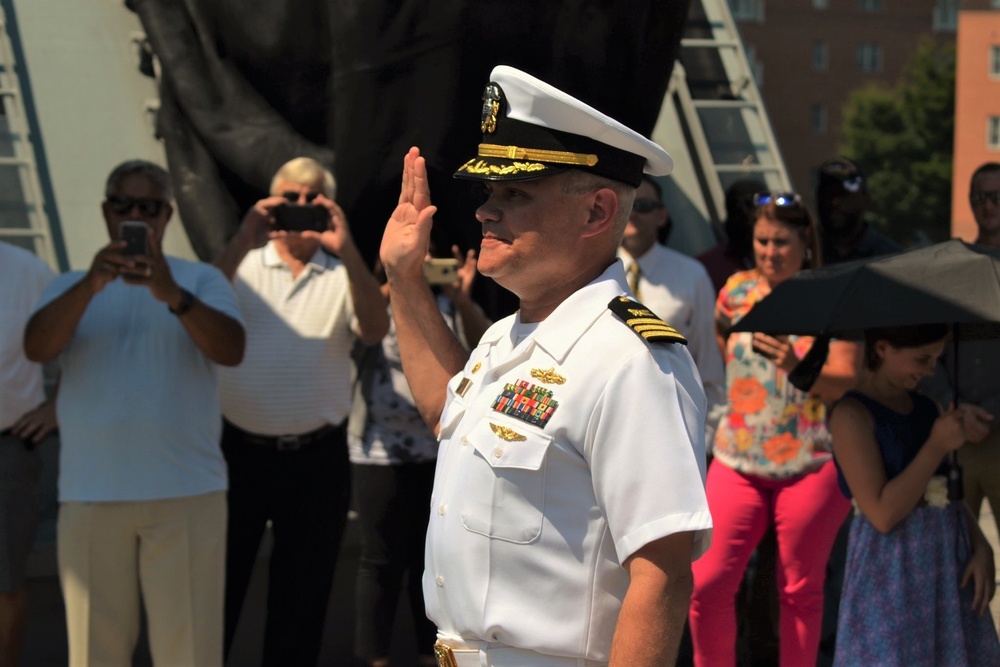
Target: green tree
x=902, y=136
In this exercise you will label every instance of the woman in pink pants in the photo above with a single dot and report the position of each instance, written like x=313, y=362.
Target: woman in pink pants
x=772, y=460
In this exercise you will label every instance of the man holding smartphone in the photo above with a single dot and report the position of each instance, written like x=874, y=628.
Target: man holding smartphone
x=138, y=338
x=306, y=296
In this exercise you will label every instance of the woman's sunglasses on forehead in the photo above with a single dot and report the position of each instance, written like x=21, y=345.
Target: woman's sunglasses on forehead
x=780, y=199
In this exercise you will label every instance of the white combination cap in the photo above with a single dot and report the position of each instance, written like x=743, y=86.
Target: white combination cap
x=532, y=130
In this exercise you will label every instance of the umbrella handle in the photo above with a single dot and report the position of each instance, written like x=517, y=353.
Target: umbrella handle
x=956, y=487
x=807, y=371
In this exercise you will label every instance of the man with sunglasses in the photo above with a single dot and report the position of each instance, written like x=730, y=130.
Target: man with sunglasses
x=978, y=361
x=138, y=339
x=306, y=296
x=674, y=286
x=841, y=201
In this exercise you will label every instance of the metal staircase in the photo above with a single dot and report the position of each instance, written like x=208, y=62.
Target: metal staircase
x=23, y=221
x=713, y=119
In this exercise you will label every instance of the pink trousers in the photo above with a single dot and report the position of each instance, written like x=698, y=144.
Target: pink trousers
x=806, y=511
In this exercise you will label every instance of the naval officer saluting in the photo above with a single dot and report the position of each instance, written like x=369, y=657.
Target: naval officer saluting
x=569, y=496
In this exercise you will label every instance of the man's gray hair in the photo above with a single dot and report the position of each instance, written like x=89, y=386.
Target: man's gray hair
x=154, y=172
x=305, y=171
x=579, y=182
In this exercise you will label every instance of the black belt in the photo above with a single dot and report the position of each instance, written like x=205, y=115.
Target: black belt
x=285, y=443
x=28, y=443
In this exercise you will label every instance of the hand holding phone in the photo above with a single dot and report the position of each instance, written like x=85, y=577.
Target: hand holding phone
x=301, y=218
x=135, y=234
x=441, y=271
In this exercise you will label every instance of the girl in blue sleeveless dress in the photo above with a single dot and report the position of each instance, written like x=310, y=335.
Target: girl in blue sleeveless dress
x=919, y=573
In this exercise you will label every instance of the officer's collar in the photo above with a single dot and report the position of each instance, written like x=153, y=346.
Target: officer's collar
x=559, y=332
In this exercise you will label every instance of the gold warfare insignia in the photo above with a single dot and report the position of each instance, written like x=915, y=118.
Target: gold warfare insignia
x=548, y=376
x=508, y=434
x=476, y=368
x=643, y=322
x=526, y=401
x=491, y=106
x=483, y=168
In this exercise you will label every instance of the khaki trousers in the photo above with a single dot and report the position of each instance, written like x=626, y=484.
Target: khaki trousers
x=170, y=553
x=980, y=463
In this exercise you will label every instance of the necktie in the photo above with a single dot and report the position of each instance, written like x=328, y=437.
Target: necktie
x=633, y=280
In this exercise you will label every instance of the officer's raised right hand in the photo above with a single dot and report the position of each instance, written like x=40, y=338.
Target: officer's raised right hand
x=407, y=235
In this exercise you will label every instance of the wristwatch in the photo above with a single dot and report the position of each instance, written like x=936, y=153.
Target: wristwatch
x=187, y=300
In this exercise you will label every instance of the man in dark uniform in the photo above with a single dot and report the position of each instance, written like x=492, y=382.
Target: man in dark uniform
x=841, y=201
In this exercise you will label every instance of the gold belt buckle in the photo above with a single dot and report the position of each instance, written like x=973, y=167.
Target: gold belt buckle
x=444, y=655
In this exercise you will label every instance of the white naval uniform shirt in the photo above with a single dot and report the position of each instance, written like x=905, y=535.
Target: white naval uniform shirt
x=678, y=290
x=530, y=522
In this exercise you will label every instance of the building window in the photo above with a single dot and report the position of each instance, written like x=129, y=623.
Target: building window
x=870, y=5
x=756, y=66
x=993, y=133
x=817, y=119
x=995, y=61
x=945, y=15
x=821, y=56
x=824, y=4
x=869, y=57
x=747, y=10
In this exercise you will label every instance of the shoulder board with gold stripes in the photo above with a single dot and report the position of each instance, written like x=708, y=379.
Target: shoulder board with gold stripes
x=643, y=322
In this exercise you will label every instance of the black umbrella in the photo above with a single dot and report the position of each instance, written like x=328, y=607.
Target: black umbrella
x=952, y=283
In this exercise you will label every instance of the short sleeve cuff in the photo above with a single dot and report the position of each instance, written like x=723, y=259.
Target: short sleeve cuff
x=699, y=523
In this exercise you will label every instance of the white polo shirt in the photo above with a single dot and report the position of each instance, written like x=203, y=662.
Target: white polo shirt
x=23, y=278
x=677, y=288
x=296, y=373
x=534, y=509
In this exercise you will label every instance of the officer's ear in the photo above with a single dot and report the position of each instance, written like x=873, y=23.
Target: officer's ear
x=604, y=204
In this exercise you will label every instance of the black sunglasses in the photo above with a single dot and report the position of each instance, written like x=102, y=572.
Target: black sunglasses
x=149, y=208
x=780, y=199
x=643, y=205
x=293, y=196
x=980, y=198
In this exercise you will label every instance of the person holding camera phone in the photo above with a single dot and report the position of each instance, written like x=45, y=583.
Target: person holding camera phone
x=307, y=295
x=138, y=339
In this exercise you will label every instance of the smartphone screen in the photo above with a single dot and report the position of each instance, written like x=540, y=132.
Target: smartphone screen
x=134, y=233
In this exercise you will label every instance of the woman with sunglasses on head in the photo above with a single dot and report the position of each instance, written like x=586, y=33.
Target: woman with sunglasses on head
x=772, y=462
x=920, y=572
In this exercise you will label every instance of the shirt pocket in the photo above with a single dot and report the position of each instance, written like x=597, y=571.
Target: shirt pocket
x=508, y=500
